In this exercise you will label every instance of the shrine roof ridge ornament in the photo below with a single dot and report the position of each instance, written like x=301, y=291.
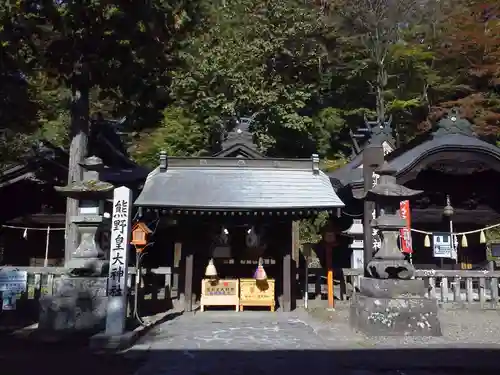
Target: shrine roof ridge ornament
x=453, y=123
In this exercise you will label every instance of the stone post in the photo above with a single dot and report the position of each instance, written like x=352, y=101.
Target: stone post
x=373, y=158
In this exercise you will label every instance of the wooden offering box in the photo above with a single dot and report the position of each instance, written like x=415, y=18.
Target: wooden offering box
x=257, y=293
x=220, y=292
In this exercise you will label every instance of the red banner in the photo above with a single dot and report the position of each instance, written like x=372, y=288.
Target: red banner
x=405, y=233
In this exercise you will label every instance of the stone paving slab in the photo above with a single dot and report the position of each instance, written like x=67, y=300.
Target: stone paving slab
x=271, y=343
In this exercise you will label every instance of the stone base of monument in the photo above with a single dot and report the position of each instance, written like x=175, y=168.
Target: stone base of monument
x=77, y=304
x=389, y=307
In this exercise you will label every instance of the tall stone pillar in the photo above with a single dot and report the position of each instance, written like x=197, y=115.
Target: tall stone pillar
x=373, y=158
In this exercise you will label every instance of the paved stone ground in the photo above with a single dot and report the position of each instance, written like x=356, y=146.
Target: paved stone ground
x=460, y=327
x=298, y=343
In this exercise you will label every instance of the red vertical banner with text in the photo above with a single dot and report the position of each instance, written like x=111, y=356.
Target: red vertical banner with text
x=405, y=233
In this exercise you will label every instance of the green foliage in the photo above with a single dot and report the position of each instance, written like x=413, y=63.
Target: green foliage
x=310, y=230
x=178, y=135
x=128, y=50
x=257, y=57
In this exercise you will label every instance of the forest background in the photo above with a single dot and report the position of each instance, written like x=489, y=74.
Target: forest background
x=307, y=72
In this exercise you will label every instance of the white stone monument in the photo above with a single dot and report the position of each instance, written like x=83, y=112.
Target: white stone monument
x=118, y=261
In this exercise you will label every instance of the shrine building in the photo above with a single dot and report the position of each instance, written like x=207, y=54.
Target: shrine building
x=231, y=210
x=459, y=174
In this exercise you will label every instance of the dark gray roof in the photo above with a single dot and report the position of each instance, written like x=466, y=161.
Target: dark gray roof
x=347, y=173
x=451, y=142
x=238, y=184
x=404, y=161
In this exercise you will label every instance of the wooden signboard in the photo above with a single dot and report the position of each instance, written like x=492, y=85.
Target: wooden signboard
x=222, y=292
x=257, y=293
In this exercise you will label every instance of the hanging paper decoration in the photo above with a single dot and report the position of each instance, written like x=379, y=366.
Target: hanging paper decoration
x=482, y=237
x=427, y=241
x=464, y=241
x=454, y=249
x=260, y=273
x=25, y=233
x=211, y=271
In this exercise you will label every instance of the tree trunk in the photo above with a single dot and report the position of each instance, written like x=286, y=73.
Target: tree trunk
x=380, y=87
x=77, y=152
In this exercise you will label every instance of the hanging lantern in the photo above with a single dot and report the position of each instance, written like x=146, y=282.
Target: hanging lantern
x=482, y=237
x=223, y=236
x=464, y=241
x=211, y=271
x=251, y=239
x=427, y=241
x=260, y=273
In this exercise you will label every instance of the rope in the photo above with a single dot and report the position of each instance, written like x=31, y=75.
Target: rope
x=30, y=228
x=459, y=233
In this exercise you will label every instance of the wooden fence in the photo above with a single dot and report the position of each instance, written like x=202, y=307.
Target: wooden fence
x=461, y=288
x=155, y=291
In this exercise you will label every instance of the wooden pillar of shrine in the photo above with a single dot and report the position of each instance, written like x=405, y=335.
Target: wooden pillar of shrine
x=188, y=281
x=287, y=272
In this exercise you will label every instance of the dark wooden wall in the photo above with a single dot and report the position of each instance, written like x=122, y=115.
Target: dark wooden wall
x=196, y=236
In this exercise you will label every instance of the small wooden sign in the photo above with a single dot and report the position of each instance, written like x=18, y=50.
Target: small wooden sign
x=222, y=292
x=257, y=293
x=221, y=288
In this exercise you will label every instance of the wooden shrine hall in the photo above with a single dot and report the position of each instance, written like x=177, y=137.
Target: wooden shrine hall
x=449, y=163
x=234, y=209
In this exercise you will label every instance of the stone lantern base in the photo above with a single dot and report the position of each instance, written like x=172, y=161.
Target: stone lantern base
x=77, y=304
x=393, y=307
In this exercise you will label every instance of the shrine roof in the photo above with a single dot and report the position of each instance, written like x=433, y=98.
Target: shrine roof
x=53, y=160
x=453, y=134
x=451, y=142
x=238, y=184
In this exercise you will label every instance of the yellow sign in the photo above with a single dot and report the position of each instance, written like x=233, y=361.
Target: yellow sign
x=221, y=288
x=252, y=290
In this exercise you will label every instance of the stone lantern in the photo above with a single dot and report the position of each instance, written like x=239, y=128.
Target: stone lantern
x=390, y=301
x=79, y=300
x=355, y=231
x=389, y=262
x=91, y=193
